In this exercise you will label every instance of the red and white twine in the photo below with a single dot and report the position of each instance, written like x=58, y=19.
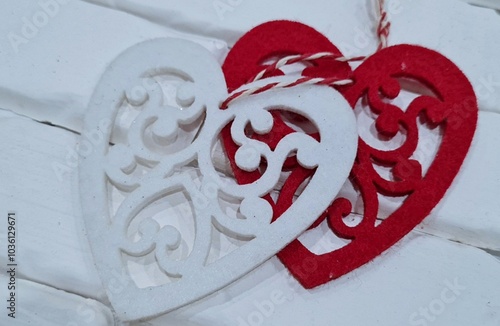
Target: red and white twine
x=301, y=81
x=383, y=28
x=301, y=58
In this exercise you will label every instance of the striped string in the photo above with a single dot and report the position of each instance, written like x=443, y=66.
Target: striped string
x=383, y=29
x=301, y=81
x=301, y=58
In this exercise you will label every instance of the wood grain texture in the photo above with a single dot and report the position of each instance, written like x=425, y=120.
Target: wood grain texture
x=41, y=305
x=423, y=280
x=52, y=248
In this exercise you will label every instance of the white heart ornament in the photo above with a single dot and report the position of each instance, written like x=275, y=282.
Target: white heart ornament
x=155, y=156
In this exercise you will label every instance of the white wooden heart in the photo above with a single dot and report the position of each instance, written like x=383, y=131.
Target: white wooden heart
x=156, y=155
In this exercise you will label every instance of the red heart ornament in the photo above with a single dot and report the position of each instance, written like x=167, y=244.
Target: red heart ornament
x=451, y=107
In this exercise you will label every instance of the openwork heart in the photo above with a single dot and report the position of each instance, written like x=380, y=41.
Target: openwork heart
x=392, y=165
x=153, y=200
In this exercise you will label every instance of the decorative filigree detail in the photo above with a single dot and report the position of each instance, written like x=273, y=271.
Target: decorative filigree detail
x=398, y=174
x=150, y=162
x=404, y=172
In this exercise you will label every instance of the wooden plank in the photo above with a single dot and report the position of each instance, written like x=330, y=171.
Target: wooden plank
x=52, y=248
x=423, y=280
x=492, y=4
x=55, y=85
x=461, y=32
x=41, y=305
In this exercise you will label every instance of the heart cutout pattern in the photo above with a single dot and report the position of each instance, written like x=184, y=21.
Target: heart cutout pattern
x=131, y=169
x=449, y=104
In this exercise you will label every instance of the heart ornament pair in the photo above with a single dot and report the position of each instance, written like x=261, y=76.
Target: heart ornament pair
x=157, y=115
x=415, y=172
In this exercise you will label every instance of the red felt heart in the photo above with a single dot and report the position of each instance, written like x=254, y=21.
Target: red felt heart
x=453, y=108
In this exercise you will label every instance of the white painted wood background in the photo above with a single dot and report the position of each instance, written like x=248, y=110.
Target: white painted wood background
x=51, y=77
